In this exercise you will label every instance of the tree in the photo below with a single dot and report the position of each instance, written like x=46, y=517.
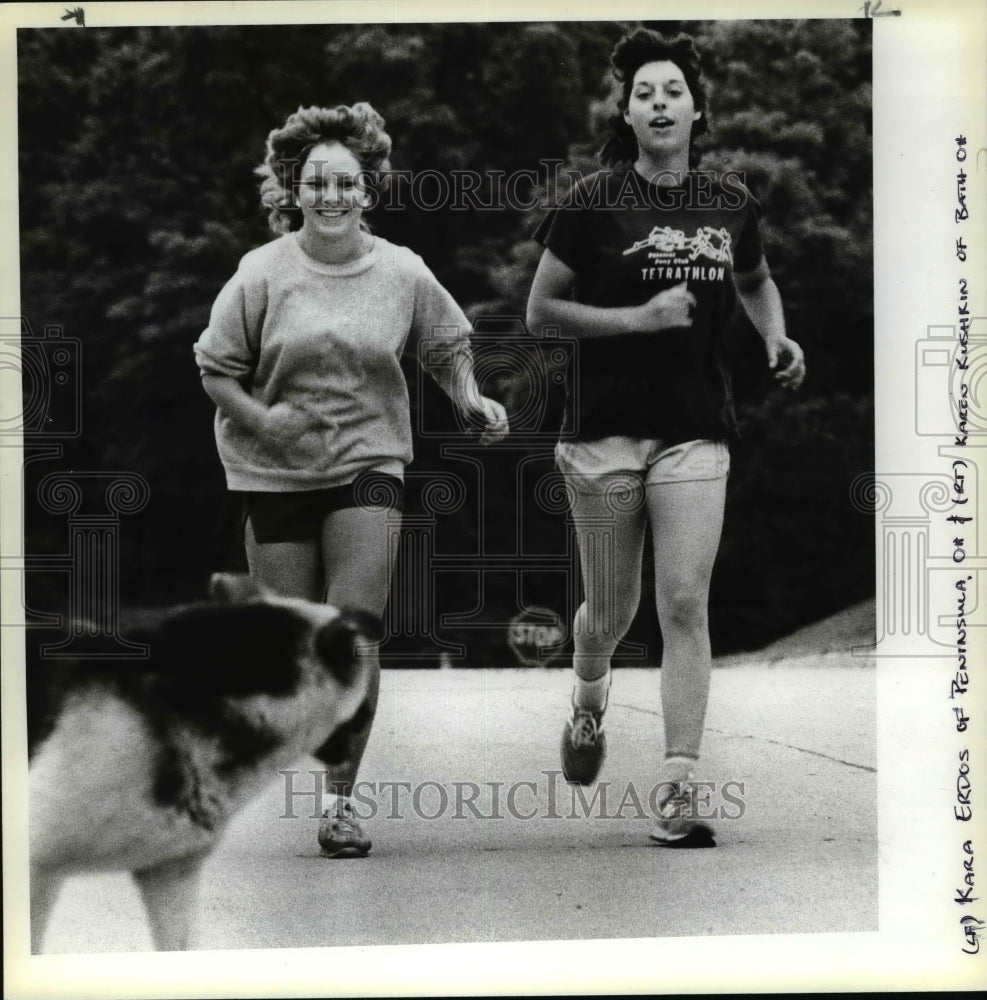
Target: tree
x=137, y=198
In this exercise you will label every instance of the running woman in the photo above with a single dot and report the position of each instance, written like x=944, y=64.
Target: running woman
x=642, y=265
x=302, y=359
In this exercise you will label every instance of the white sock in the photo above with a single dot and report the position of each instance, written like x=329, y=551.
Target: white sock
x=334, y=804
x=678, y=768
x=592, y=695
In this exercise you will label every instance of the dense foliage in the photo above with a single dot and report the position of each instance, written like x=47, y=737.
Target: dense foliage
x=137, y=198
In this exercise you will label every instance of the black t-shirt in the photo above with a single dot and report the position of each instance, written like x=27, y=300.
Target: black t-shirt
x=627, y=239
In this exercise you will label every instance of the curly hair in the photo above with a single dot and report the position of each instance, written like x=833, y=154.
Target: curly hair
x=628, y=56
x=359, y=128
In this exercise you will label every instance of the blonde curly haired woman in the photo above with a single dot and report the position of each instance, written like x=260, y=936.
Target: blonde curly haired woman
x=302, y=359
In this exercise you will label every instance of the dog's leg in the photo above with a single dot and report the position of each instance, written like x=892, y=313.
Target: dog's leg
x=169, y=891
x=45, y=884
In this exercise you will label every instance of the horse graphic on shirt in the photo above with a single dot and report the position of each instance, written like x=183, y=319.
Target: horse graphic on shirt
x=665, y=243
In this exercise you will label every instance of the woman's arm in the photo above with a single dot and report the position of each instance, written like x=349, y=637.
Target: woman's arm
x=762, y=300
x=443, y=350
x=281, y=422
x=549, y=305
x=466, y=396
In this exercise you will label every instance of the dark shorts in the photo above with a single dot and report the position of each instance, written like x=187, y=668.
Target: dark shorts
x=298, y=516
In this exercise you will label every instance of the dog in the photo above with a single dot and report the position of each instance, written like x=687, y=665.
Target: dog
x=139, y=765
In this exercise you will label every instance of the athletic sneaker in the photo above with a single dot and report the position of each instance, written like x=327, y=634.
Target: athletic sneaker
x=341, y=836
x=584, y=746
x=677, y=825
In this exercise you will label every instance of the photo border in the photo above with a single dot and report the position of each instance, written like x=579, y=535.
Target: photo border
x=928, y=88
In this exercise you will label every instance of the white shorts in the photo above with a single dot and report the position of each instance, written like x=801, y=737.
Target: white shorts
x=593, y=466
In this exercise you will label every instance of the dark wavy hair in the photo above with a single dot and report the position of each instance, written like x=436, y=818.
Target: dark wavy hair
x=359, y=128
x=628, y=56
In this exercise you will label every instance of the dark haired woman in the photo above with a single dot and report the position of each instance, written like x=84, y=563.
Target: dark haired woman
x=642, y=265
x=302, y=359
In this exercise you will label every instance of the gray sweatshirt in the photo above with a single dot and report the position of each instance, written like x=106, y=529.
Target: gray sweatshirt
x=327, y=339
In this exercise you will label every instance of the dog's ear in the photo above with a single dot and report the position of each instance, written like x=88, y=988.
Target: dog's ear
x=233, y=588
x=363, y=623
x=336, y=642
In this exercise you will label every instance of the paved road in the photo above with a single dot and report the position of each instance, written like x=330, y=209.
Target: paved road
x=798, y=736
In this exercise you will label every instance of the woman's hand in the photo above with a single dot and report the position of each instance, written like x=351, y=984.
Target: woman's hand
x=551, y=308
x=273, y=426
x=786, y=359
x=283, y=423
x=670, y=308
x=493, y=417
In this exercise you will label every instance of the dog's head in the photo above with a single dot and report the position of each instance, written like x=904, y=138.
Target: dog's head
x=245, y=658
x=338, y=631
x=274, y=655
x=247, y=641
